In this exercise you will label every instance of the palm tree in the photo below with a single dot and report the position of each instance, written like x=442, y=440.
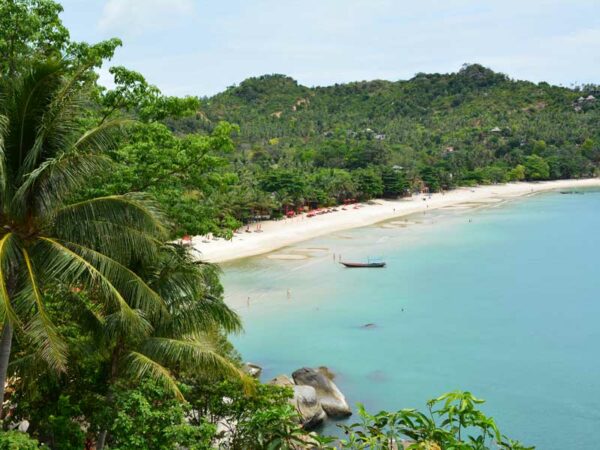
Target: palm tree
x=157, y=311
x=46, y=238
x=185, y=339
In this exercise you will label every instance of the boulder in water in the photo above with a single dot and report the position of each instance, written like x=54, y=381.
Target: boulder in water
x=332, y=400
x=325, y=371
x=305, y=401
x=282, y=380
x=309, y=407
x=253, y=370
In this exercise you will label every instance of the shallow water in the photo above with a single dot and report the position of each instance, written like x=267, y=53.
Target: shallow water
x=501, y=301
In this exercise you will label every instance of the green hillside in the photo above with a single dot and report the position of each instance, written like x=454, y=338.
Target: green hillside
x=471, y=126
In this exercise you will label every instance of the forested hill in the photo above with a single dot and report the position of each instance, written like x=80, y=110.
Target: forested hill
x=475, y=98
x=299, y=147
x=462, y=121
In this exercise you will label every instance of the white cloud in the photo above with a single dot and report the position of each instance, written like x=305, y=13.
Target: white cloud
x=137, y=16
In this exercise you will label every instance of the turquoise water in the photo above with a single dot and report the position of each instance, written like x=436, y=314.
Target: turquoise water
x=502, y=301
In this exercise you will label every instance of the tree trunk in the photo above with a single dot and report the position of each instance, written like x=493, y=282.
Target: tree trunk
x=5, y=347
x=101, y=440
x=114, y=370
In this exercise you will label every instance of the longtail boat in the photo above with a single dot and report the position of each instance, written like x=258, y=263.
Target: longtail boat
x=369, y=264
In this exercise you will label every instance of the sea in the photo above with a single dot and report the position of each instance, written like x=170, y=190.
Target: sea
x=499, y=298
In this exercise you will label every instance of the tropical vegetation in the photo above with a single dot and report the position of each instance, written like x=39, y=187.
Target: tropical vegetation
x=308, y=147
x=114, y=336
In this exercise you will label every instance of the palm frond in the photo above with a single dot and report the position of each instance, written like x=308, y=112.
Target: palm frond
x=57, y=178
x=192, y=293
x=29, y=99
x=8, y=256
x=90, y=315
x=140, y=366
x=62, y=263
x=101, y=137
x=3, y=175
x=41, y=329
x=3, y=127
x=58, y=124
x=138, y=294
x=198, y=354
x=32, y=370
x=121, y=242
x=133, y=211
x=195, y=315
x=190, y=275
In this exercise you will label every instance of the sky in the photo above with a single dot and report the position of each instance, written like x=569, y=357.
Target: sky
x=200, y=47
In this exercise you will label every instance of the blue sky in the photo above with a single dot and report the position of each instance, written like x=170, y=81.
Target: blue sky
x=199, y=47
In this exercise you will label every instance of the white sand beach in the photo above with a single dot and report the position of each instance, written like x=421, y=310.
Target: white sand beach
x=281, y=233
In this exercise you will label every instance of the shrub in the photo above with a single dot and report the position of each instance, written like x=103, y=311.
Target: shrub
x=15, y=440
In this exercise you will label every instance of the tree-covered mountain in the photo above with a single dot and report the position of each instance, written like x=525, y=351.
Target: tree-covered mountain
x=443, y=130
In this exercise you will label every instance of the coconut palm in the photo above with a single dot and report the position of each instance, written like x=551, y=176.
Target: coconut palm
x=152, y=305
x=47, y=238
x=186, y=339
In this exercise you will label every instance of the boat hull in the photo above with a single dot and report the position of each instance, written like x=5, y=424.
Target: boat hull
x=377, y=265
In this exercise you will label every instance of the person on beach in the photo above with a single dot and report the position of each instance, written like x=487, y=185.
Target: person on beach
x=289, y=293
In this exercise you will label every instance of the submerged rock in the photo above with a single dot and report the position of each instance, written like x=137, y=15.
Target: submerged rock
x=378, y=376
x=332, y=400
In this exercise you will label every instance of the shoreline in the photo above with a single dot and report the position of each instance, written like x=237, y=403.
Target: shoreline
x=277, y=234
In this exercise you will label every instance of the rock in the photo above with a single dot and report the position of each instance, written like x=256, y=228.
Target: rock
x=253, y=370
x=21, y=426
x=332, y=400
x=309, y=407
x=328, y=373
x=305, y=401
x=225, y=430
x=377, y=376
x=282, y=380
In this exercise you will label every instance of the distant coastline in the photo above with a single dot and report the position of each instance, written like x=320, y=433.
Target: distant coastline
x=277, y=234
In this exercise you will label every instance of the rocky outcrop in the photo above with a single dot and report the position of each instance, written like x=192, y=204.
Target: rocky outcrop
x=309, y=406
x=305, y=401
x=253, y=370
x=282, y=380
x=331, y=399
